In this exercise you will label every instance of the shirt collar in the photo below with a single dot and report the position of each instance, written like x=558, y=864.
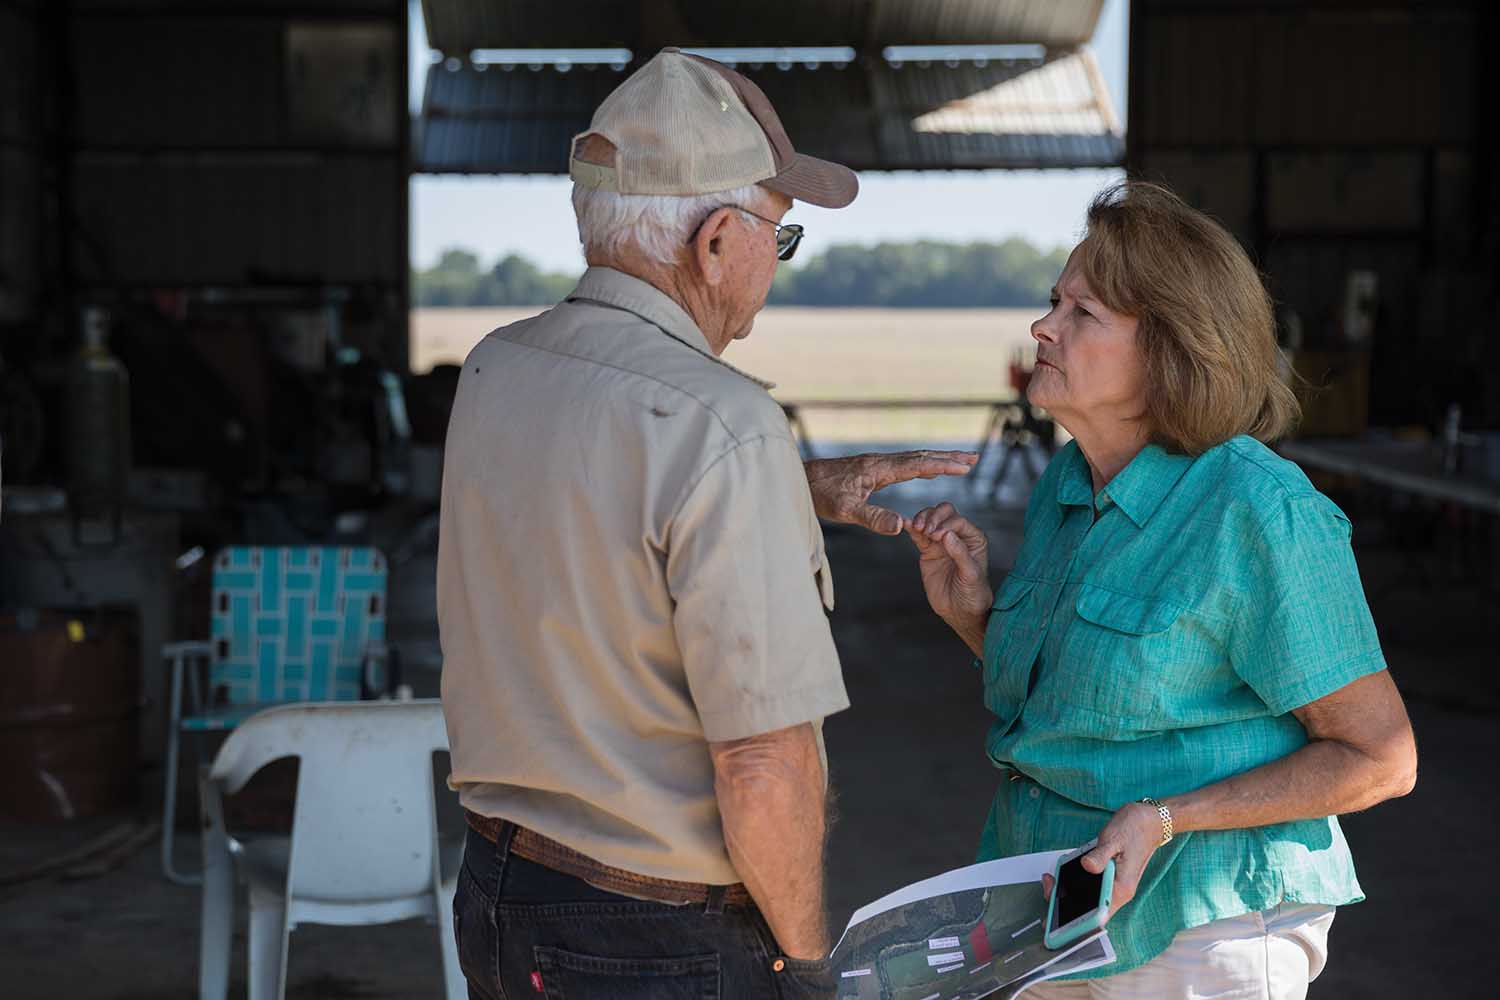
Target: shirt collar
x=1075, y=488
x=1138, y=489
x=624, y=291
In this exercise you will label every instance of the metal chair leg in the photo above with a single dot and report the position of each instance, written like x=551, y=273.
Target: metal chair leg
x=169, y=789
x=216, y=910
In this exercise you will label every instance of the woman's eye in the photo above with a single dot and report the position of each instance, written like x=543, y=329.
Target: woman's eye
x=1084, y=312
x=1054, y=302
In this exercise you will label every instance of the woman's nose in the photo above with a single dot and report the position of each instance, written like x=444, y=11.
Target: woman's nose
x=1042, y=331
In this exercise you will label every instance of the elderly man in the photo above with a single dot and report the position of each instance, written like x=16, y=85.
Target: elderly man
x=632, y=582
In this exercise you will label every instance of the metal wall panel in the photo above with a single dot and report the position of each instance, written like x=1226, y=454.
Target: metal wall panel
x=1198, y=81
x=1332, y=78
x=1309, y=275
x=20, y=221
x=211, y=82
x=1221, y=184
x=1306, y=76
x=235, y=83
x=1345, y=192
x=20, y=90
x=1455, y=197
x=20, y=165
x=196, y=220
x=1330, y=136
x=302, y=8
x=460, y=26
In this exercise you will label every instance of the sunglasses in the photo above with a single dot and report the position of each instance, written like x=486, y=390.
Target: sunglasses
x=788, y=237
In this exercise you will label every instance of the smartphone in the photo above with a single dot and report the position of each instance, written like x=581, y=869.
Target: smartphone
x=1080, y=899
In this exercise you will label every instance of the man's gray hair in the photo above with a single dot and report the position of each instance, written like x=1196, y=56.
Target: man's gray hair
x=655, y=226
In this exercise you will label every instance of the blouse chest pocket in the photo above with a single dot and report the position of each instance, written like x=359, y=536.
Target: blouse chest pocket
x=1010, y=636
x=1114, y=660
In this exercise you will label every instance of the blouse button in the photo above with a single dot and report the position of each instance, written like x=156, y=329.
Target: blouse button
x=779, y=964
x=1036, y=792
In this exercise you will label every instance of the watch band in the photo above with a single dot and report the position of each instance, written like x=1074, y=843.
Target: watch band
x=1166, y=820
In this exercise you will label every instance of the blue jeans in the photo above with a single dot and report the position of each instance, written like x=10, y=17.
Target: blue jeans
x=527, y=931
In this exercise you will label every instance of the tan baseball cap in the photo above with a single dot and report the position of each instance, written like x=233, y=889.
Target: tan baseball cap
x=686, y=125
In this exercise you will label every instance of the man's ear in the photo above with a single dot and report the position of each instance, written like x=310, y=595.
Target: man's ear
x=707, y=249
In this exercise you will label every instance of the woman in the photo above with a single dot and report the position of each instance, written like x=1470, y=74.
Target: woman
x=1182, y=662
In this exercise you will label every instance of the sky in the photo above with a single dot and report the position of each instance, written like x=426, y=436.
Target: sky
x=531, y=215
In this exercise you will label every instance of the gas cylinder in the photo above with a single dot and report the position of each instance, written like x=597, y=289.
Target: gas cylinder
x=97, y=426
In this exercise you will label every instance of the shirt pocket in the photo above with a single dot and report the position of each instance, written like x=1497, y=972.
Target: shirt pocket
x=1113, y=659
x=1010, y=636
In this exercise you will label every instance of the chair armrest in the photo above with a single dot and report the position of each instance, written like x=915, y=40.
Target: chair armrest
x=186, y=648
x=381, y=657
x=179, y=653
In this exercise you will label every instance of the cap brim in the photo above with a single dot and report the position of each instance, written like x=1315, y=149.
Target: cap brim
x=815, y=181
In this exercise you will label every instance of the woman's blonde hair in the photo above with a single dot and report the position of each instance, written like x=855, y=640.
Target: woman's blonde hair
x=1206, y=329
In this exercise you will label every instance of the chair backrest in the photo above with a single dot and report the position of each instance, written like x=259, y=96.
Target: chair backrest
x=293, y=624
x=364, y=826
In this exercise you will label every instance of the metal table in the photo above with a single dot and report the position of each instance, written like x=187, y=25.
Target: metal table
x=1413, y=467
x=1011, y=422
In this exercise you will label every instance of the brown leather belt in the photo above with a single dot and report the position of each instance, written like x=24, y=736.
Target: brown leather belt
x=533, y=846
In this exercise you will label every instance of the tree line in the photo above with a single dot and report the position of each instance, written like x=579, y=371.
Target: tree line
x=925, y=273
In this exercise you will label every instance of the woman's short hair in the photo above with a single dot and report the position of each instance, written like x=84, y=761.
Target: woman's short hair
x=1206, y=328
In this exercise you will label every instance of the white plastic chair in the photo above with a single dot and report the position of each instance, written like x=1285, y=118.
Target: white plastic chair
x=364, y=847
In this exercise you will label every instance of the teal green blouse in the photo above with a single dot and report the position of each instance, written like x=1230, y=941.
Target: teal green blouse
x=1159, y=646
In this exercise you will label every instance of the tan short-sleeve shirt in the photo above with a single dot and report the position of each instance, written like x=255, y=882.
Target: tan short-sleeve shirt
x=629, y=568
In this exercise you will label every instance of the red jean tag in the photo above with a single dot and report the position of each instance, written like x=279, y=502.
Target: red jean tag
x=536, y=982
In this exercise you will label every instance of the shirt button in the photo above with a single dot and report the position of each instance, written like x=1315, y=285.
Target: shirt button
x=779, y=964
x=1036, y=792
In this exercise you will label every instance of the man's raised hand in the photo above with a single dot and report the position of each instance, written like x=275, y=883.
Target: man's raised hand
x=841, y=487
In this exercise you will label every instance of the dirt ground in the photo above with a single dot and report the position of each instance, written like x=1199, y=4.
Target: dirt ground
x=822, y=354
x=912, y=785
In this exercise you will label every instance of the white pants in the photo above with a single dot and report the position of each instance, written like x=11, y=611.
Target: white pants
x=1270, y=955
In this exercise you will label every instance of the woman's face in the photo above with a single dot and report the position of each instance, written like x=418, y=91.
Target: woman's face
x=1089, y=370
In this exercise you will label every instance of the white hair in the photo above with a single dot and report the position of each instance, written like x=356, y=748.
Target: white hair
x=656, y=226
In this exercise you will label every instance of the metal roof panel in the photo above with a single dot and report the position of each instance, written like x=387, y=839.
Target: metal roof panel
x=460, y=26
x=877, y=116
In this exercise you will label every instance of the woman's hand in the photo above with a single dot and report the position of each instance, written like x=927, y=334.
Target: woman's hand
x=955, y=570
x=1130, y=837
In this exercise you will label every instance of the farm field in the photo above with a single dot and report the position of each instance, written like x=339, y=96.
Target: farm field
x=830, y=354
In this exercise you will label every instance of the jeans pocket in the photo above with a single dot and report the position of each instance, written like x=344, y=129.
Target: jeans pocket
x=804, y=978
x=567, y=975
x=475, y=939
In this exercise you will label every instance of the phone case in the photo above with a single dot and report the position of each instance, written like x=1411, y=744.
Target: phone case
x=1088, y=923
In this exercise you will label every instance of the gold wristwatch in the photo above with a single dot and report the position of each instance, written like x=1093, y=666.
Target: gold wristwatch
x=1166, y=820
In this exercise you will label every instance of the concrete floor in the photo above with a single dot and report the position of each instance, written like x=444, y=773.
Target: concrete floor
x=912, y=785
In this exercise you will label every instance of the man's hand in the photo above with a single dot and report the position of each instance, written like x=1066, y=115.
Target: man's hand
x=841, y=487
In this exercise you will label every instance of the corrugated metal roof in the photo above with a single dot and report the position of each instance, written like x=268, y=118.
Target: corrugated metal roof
x=460, y=26
x=913, y=117
x=1063, y=96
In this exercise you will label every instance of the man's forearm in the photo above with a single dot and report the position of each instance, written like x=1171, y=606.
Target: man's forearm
x=772, y=795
